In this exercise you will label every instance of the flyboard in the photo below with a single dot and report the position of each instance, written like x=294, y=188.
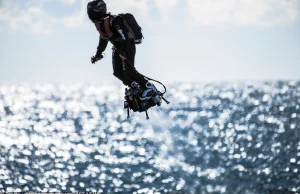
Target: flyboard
x=133, y=99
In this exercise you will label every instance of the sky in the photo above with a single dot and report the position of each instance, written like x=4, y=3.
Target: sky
x=52, y=41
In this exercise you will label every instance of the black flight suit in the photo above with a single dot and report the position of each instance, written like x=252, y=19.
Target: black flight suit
x=123, y=42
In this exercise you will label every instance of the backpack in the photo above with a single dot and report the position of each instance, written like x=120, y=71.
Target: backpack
x=136, y=29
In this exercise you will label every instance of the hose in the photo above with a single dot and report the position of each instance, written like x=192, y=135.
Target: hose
x=149, y=77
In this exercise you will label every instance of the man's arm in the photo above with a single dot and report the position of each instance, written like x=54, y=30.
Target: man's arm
x=101, y=46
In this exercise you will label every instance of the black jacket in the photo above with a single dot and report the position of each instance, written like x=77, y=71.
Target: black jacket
x=122, y=34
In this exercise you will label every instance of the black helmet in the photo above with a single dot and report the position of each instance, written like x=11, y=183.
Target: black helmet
x=96, y=9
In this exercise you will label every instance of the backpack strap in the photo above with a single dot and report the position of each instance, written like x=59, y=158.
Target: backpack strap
x=107, y=27
x=101, y=32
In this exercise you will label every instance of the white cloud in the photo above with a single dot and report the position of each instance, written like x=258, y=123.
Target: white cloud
x=141, y=7
x=164, y=5
x=79, y=18
x=70, y=2
x=244, y=12
x=32, y=15
x=27, y=16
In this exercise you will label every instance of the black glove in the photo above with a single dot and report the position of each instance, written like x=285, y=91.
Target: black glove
x=123, y=55
x=96, y=58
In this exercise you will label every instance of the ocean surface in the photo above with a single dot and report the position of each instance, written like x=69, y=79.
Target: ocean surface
x=232, y=138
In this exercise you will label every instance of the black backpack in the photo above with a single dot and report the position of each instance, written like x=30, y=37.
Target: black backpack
x=136, y=29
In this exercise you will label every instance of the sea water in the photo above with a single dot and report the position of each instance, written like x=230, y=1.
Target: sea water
x=235, y=137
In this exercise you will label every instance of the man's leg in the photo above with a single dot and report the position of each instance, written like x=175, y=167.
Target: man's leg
x=129, y=69
x=118, y=69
